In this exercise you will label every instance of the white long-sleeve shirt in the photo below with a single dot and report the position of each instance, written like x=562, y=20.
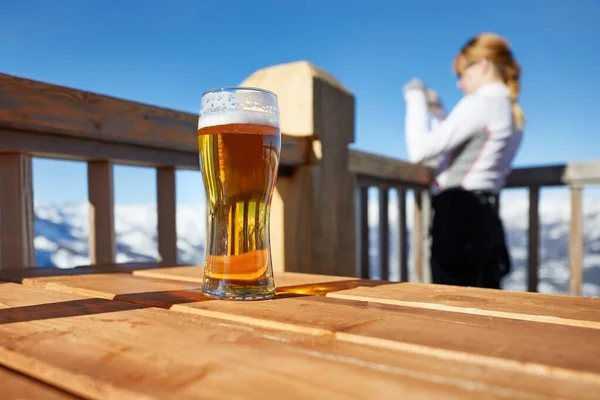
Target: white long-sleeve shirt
x=477, y=141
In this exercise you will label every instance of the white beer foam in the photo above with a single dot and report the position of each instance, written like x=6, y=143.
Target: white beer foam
x=238, y=117
x=238, y=107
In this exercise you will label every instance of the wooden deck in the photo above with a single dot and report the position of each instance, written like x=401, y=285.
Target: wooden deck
x=150, y=333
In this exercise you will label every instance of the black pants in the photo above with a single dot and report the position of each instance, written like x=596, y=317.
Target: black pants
x=468, y=244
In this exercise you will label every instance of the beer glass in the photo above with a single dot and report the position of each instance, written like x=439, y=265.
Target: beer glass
x=239, y=146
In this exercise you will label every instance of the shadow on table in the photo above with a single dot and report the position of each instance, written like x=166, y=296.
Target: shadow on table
x=63, y=309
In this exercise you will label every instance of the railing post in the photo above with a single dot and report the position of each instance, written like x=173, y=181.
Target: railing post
x=402, y=236
x=101, y=214
x=365, y=271
x=534, y=235
x=166, y=205
x=576, y=242
x=384, y=240
x=313, y=212
x=16, y=211
x=417, y=236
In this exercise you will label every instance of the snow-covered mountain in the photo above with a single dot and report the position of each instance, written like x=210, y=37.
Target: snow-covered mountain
x=62, y=231
x=61, y=234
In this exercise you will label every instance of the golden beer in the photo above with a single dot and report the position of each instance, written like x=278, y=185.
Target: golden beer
x=239, y=157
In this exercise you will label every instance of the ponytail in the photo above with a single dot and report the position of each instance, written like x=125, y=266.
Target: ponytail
x=518, y=114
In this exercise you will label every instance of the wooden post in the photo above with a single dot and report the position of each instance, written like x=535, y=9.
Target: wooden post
x=313, y=213
x=534, y=234
x=384, y=229
x=417, y=237
x=364, y=233
x=576, y=242
x=102, y=217
x=166, y=204
x=425, y=238
x=16, y=211
x=402, y=236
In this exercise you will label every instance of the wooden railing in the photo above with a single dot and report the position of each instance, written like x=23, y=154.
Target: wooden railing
x=574, y=175
x=313, y=217
x=43, y=120
x=387, y=174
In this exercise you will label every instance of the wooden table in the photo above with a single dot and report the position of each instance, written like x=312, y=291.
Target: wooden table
x=150, y=333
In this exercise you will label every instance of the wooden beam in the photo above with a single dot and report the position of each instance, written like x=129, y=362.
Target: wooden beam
x=167, y=209
x=333, y=119
x=402, y=236
x=417, y=236
x=41, y=107
x=534, y=235
x=16, y=212
x=295, y=151
x=385, y=169
x=576, y=242
x=101, y=213
x=364, y=233
x=572, y=173
x=384, y=238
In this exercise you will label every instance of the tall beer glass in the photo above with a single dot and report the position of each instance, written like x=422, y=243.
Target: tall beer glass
x=239, y=146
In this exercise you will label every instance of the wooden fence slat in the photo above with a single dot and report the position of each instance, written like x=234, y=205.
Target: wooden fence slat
x=16, y=211
x=384, y=238
x=417, y=236
x=534, y=235
x=101, y=213
x=576, y=242
x=402, y=235
x=167, y=209
x=364, y=233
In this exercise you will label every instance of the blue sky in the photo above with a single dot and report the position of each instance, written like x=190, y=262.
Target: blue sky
x=168, y=53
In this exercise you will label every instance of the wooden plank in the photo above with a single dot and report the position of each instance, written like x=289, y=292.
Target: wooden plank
x=535, y=347
x=549, y=309
x=16, y=211
x=402, y=235
x=17, y=386
x=536, y=176
x=531, y=347
x=294, y=150
x=388, y=169
x=534, y=238
x=282, y=279
x=167, y=209
x=582, y=173
x=152, y=290
x=36, y=106
x=108, y=349
x=364, y=233
x=417, y=236
x=572, y=173
x=384, y=239
x=101, y=214
x=576, y=242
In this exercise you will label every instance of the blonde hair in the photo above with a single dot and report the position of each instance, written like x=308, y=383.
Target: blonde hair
x=497, y=50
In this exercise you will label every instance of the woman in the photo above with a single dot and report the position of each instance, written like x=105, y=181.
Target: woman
x=475, y=145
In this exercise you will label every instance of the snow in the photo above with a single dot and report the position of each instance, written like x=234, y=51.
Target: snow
x=62, y=232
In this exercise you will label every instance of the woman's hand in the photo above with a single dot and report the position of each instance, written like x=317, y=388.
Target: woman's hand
x=434, y=102
x=414, y=84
